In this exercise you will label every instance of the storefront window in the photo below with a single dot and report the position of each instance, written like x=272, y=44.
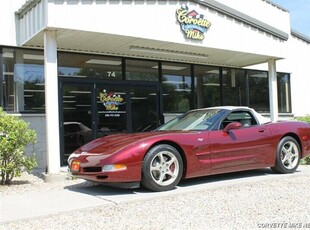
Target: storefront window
x=7, y=80
x=89, y=66
x=177, y=93
x=234, y=87
x=142, y=70
x=207, y=86
x=22, y=85
x=23, y=80
x=284, y=96
x=258, y=90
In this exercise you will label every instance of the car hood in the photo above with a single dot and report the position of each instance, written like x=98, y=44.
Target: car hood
x=113, y=143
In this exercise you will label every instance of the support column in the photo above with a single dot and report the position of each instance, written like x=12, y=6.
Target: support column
x=273, y=90
x=19, y=79
x=51, y=104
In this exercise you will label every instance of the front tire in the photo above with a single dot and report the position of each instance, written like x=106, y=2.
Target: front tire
x=162, y=168
x=288, y=156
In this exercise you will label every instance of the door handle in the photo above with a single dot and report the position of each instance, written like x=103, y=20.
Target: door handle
x=261, y=130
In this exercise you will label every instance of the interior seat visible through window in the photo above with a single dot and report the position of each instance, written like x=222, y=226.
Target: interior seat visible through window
x=246, y=122
x=245, y=118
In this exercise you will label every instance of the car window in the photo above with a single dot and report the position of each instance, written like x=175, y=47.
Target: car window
x=244, y=117
x=72, y=128
x=194, y=120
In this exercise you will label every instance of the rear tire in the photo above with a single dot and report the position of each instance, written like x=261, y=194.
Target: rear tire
x=288, y=156
x=162, y=168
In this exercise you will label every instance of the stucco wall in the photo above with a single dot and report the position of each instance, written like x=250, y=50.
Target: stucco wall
x=37, y=122
x=156, y=20
x=7, y=21
x=296, y=62
x=263, y=11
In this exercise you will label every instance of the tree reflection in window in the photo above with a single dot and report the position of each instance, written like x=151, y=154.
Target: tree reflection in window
x=177, y=91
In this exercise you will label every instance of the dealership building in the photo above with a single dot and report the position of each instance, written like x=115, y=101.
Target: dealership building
x=77, y=70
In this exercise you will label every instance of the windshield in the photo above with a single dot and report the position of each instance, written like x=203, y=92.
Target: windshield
x=194, y=120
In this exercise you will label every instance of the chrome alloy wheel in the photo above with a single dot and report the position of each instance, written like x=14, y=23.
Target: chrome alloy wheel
x=290, y=155
x=164, y=168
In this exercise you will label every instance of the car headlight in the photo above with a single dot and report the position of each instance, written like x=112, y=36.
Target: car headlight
x=113, y=168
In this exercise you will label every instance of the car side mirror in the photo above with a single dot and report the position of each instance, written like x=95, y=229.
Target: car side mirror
x=231, y=126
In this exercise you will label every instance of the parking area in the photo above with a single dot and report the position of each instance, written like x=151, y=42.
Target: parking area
x=83, y=195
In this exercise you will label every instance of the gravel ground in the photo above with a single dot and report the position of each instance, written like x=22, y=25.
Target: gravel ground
x=278, y=203
x=30, y=182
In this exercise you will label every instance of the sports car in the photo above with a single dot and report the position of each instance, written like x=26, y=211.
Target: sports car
x=198, y=143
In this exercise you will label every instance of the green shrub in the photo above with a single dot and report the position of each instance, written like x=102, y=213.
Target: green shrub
x=306, y=160
x=306, y=119
x=15, y=136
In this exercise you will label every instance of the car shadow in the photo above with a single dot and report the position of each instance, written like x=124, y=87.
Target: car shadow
x=226, y=177
x=95, y=189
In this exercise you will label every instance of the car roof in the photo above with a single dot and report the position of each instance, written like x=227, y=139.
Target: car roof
x=261, y=119
x=230, y=108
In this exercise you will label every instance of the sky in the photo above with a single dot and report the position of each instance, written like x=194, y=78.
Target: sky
x=300, y=14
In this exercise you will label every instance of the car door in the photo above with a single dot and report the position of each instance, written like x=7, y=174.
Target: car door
x=237, y=149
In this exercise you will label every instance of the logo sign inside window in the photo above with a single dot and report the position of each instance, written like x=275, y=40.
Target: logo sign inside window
x=111, y=101
x=194, y=25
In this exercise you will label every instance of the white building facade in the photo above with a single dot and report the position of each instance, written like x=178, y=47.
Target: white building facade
x=81, y=69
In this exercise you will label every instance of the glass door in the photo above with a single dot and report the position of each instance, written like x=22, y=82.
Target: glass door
x=126, y=109
x=111, y=110
x=144, y=109
x=77, y=117
x=91, y=111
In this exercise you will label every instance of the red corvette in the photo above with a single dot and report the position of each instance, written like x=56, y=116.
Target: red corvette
x=198, y=143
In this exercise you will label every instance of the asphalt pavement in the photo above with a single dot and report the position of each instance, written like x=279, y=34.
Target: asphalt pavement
x=43, y=203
